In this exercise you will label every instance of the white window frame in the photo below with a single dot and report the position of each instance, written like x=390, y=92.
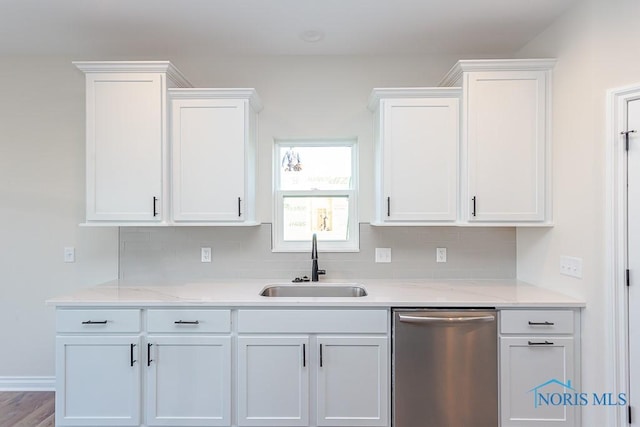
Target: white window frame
x=352, y=244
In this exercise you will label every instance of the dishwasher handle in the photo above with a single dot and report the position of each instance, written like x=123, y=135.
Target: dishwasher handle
x=406, y=318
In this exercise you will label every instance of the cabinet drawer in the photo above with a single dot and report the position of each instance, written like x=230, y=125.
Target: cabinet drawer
x=313, y=321
x=100, y=320
x=536, y=322
x=199, y=321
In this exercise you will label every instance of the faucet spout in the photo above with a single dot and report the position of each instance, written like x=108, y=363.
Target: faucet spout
x=314, y=259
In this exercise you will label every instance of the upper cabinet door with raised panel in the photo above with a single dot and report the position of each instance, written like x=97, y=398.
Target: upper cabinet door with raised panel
x=213, y=147
x=417, y=154
x=506, y=136
x=124, y=146
x=126, y=139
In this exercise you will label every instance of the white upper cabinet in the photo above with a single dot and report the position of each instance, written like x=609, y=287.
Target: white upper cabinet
x=417, y=139
x=126, y=139
x=213, y=155
x=505, y=140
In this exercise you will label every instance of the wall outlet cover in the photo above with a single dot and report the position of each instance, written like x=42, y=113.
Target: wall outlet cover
x=571, y=266
x=69, y=254
x=383, y=255
x=205, y=254
x=441, y=254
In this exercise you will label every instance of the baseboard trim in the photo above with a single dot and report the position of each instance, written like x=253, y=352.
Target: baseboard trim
x=27, y=383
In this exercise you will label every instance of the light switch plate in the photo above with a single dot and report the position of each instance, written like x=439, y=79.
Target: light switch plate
x=383, y=254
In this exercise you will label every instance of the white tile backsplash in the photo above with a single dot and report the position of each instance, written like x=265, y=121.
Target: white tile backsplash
x=173, y=253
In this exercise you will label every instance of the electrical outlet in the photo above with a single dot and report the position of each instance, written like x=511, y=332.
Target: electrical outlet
x=383, y=254
x=69, y=254
x=205, y=254
x=571, y=266
x=441, y=254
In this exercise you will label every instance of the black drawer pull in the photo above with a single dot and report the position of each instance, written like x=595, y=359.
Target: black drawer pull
x=149, y=359
x=545, y=323
x=187, y=322
x=94, y=322
x=545, y=342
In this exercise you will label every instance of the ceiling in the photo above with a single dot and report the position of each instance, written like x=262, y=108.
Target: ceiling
x=144, y=28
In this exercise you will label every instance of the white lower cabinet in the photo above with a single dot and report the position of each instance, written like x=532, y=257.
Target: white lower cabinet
x=273, y=381
x=539, y=359
x=98, y=380
x=188, y=381
x=352, y=381
x=348, y=375
x=313, y=367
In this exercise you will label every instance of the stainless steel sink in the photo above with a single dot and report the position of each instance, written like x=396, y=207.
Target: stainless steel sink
x=332, y=290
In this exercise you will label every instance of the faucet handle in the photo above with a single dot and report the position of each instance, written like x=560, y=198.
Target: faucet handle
x=322, y=271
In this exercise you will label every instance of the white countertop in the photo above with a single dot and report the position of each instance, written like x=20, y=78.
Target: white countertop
x=381, y=293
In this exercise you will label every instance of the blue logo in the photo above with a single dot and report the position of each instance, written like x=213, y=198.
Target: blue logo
x=545, y=394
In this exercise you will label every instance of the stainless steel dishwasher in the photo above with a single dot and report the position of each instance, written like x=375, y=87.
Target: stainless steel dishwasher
x=445, y=368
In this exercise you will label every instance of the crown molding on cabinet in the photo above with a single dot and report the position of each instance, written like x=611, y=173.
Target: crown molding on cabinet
x=378, y=94
x=452, y=78
x=173, y=74
x=249, y=94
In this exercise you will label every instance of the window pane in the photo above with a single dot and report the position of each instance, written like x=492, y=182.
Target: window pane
x=328, y=217
x=315, y=168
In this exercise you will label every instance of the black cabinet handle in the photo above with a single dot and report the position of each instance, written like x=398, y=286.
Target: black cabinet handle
x=187, y=322
x=304, y=355
x=94, y=322
x=239, y=206
x=149, y=360
x=545, y=323
x=473, y=200
x=545, y=342
x=132, y=360
x=321, y=355
x=388, y=206
x=155, y=202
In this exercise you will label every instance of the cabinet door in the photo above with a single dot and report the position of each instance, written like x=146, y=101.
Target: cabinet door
x=208, y=140
x=98, y=381
x=420, y=157
x=352, y=387
x=506, y=136
x=125, y=131
x=273, y=381
x=533, y=369
x=188, y=381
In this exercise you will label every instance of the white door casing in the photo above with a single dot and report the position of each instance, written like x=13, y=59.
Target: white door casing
x=633, y=244
x=618, y=247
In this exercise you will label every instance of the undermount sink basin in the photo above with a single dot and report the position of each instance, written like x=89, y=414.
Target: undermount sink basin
x=333, y=290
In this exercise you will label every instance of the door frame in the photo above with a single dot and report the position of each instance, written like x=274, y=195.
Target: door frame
x=616, y=240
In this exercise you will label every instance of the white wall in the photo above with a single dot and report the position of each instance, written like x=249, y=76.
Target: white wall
x=597, y=47
x=41, y=188
x=42, y=169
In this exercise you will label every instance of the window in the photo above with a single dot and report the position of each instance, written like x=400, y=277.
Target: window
x=315, y=187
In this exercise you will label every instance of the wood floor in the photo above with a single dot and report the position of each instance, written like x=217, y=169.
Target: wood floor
x=27, y=409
